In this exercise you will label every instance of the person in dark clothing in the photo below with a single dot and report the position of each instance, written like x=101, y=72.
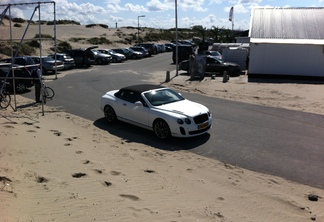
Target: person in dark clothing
x=37, y=75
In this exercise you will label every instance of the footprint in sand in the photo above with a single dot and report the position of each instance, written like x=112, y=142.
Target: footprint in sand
x=79, y=175
x=131, y=197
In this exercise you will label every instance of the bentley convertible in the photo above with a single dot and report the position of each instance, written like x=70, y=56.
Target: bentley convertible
x=156, y=108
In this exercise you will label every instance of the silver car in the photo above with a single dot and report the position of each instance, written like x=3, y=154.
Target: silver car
x=116, y=57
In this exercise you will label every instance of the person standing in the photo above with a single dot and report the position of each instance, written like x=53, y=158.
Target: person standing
x=37, y=74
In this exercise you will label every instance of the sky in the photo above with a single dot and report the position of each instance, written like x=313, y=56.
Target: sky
x=156, y=13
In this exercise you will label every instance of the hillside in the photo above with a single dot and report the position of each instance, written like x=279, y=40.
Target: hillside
x=78, y=36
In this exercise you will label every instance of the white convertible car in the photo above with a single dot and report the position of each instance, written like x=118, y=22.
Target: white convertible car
x=156, y=108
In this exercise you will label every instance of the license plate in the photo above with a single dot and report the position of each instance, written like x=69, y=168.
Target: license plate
x=204, y=125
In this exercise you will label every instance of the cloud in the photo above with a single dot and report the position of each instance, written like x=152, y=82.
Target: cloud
x=135, y=8
x=156, y=5
x=195, y=5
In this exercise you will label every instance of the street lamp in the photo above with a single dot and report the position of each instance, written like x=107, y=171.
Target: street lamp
x=138, y=26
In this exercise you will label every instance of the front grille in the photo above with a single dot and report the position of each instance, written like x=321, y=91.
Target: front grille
x=201, y=118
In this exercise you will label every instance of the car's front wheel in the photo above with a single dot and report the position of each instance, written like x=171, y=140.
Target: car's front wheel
x=161, y=129
x=99, y=62
x=110, y=114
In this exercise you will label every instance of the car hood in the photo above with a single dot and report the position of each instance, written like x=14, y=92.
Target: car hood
x=230, y=64
x=119, y=54
x=104, y=55
x=184, y=107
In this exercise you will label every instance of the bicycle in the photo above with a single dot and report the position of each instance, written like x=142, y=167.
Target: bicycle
x=47, y=92
x=5, y=98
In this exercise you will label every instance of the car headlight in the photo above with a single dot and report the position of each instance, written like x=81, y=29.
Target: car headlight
x=180, y=121
x=187, y=121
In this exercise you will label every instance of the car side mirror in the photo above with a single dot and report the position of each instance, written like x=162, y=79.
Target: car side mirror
x=138, y=103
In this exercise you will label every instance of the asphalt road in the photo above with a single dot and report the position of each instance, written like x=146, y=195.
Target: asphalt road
x=280, y=142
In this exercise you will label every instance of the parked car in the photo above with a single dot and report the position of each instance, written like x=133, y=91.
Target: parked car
x=215, y=65
x=169, y=47
x=156, y=108
x=82, y=56
x=161, y=48
x=129, y=53
x=215, y=54
x=150, y=47
x=101, y=58
x=23, y=78
x=26, y=61
x=116, y=57
x=141, y=50
x=184, y=52
x=67, y=60
x=48, y=64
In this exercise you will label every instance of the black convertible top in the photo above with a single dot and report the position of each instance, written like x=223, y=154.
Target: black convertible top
x=142, y=87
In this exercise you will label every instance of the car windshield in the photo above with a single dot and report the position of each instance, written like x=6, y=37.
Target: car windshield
x=163, y=96
x=46, y=59
x=111, y=51
x=215, y=53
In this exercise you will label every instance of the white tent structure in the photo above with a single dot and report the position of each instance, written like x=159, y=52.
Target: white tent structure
x=287, y=42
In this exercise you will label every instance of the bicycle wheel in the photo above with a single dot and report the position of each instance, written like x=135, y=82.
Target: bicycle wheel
x=48, y=92
x=5, y=100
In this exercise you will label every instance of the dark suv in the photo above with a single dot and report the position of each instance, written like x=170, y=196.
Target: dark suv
x=83, y=56
x=22, y=60
x=150, y=47
x=23, y=78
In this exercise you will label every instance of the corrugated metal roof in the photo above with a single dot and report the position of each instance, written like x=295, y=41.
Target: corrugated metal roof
x=287, y=25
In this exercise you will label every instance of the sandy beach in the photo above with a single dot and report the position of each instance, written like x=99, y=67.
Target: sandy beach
x=60, y=167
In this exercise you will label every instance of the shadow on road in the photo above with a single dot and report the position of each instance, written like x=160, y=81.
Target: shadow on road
x=136, y=134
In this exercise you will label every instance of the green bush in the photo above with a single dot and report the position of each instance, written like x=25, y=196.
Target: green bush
x=98, y=41
x=103, y=26
x=63, y=22
x=17, y=25
x=33, y=43
x=74, y=39
x=18, y=20
x=63, y=46
x=90, y=25
x=43, y=36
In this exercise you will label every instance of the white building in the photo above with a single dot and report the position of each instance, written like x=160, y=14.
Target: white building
x=287, y=42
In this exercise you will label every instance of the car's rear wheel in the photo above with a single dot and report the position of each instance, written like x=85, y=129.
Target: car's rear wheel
x=110, y=114
x=20, y=87
x=161, y=129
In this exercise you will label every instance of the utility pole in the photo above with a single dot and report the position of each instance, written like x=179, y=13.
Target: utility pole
x=138, y=26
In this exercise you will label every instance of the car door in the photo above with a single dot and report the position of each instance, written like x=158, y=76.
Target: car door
x=213, y=65
x=131, y=110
